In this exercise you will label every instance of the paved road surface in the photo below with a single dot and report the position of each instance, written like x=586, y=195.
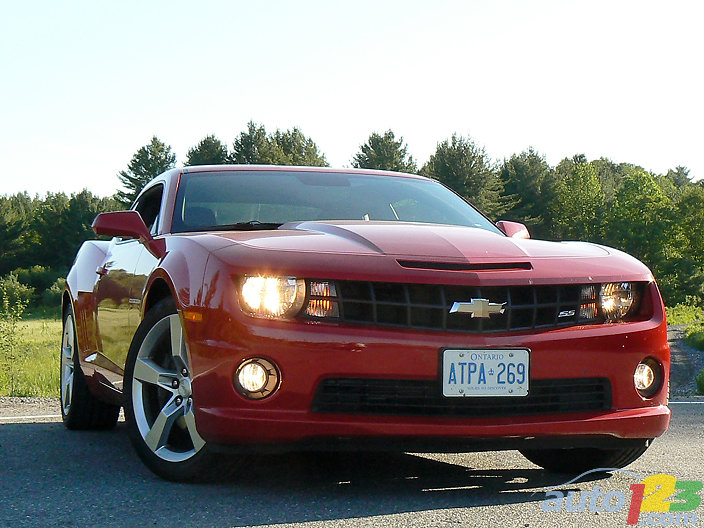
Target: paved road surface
x=53, y=477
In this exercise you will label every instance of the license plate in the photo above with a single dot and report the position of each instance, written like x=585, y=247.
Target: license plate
x=495, y=372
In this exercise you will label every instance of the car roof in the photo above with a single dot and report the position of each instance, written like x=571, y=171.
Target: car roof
x=293, y=168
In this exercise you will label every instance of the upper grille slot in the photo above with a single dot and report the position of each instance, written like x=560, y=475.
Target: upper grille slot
x=426, y=306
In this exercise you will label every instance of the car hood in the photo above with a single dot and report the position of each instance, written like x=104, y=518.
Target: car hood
x=327, y=246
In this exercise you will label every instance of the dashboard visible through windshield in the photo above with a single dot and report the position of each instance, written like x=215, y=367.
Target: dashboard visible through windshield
x=251, y=200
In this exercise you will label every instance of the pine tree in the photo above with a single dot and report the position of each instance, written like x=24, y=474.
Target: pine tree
x=290, y=147
x=464, y=167
x=210, y=151
x=384, y=153
x=147, y=163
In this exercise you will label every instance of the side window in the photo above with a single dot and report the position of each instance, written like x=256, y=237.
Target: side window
x=149, y=205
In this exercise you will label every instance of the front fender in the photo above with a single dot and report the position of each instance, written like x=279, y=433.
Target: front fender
x=80, y=283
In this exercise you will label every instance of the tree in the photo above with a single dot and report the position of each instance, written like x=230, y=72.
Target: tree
x=291, y=147
x=523, y=176
x=639, y=223
x=385, y=153
x=148, y=162
x=67, y=219
x=680, y=176
x=210, y=151
x=683, y=245
x=461, y=165
x=611, y=175
x=12, y=227
x=252, y=146
x=577, y=205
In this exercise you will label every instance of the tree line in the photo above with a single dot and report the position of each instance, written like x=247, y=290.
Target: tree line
x=658, y=218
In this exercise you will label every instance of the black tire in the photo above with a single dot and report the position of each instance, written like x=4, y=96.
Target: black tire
x=80, y=409
x=583, y=459
x=159, y=405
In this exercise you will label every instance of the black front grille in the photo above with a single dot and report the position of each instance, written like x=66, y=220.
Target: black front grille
x=427, y=306
x=424, y=398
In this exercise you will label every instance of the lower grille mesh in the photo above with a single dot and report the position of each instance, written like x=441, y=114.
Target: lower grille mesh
x=424, y=398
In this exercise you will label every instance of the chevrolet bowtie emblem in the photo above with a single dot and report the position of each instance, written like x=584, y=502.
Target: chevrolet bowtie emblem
x=478, y=308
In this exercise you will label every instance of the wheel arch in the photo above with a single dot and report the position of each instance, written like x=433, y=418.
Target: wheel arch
x=158, y=289
x=65, y=303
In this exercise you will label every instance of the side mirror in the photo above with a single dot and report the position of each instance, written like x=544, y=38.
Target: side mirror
x=126, y=224
x=513, y=229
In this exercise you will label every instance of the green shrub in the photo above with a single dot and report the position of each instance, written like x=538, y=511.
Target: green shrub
x=40, y=278
x=52, y=296
x=684, y=314
x=11, y=344
x=700, y=382
x=694, y=335
x=14, y=291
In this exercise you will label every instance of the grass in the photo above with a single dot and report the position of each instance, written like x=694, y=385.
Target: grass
x=42, y=312
x=683, y=314
x=35, y=368
x=694, y=335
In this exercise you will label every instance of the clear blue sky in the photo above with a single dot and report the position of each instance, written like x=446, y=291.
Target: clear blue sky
x=85, y=84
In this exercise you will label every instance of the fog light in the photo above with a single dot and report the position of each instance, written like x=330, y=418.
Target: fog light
x=256, y=378
x=648, y=377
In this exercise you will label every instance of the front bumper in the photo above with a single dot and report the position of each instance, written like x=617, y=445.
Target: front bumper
x=307, y=353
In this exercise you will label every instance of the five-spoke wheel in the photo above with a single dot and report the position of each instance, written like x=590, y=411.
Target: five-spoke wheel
x=161, y=393
x=159, y=401
x=67, y=363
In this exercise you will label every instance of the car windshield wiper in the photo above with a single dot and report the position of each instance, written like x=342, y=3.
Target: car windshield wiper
x=252, y=225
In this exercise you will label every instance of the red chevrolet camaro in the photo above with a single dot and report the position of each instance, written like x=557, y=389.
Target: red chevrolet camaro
x=262, y=308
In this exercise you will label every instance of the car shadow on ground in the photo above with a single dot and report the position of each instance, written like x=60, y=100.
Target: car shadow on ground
x=46, y=462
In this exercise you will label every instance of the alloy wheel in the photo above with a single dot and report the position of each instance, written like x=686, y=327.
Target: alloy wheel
x=161, y=393
x=67, y=364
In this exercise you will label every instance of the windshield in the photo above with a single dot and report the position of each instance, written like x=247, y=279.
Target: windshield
x=263, y=199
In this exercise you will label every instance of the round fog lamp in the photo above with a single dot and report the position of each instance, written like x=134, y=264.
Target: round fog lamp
x=256, y=378
x=253, y=377
x=647, y=377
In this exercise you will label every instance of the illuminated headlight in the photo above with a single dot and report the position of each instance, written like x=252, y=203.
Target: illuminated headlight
x=611, y=301
x=272, y=297
x=616, y=299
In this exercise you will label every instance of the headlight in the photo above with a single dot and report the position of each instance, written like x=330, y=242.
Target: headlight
x=616, y=299
x=611, y=301
x=272, y=297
